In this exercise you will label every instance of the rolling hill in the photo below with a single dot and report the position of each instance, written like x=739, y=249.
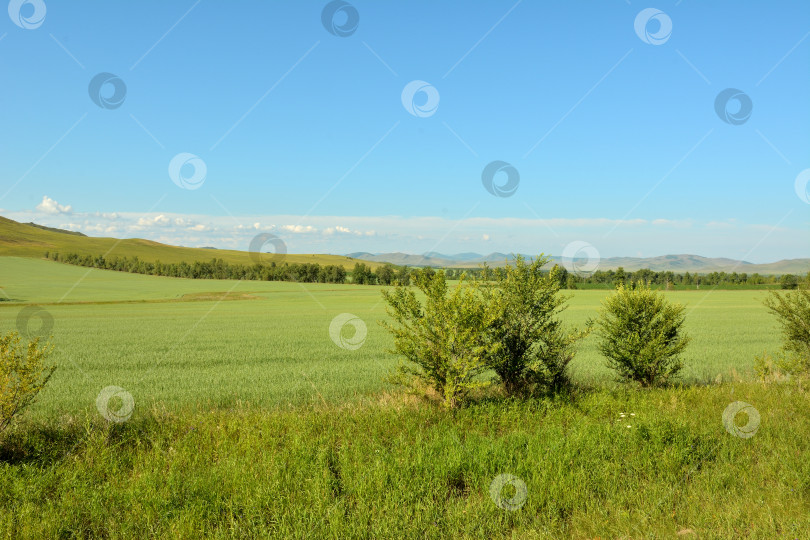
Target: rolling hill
x=27, y=240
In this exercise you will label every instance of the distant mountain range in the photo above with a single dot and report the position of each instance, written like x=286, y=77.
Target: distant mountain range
x=674, y=263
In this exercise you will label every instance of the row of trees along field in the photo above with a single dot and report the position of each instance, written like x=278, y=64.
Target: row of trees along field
x=390, y=274
x=219, y=269
x=671, y=279
x=664, y=279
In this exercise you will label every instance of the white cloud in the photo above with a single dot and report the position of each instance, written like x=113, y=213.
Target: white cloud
x=255, y=227
x=299, y=229
x=100, y=228
x=160, y=221
x=673, y=223
x=342, y=230
x=50, y=206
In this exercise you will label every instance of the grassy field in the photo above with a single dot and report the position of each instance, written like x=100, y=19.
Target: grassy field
x=250, y=421
x=178, y=342
x=667, y=469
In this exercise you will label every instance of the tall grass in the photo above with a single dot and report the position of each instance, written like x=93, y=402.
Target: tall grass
x=401, y=469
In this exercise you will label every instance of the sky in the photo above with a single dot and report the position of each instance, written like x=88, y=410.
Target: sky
x=631, y=129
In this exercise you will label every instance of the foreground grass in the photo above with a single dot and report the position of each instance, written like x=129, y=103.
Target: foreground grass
x=394, y=468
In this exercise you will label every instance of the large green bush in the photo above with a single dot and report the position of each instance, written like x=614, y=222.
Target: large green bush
x=23, y=374
x=508, y=322
x=443, y=338
x=642, y=335
x=534, y=349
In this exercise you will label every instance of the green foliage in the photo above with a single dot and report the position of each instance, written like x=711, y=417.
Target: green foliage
x=443, y=336
x=534, y=349
x=388, y=274
x=792, y=309
x=789, y=281
x=666, y=279
x=620, y=277
x=403, y=276
x=641, y=335
x=385, y=274
x=363, y=275
x=213, y=269
x=23, y=374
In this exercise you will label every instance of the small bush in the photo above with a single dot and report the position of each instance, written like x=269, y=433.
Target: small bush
x=23, y=374
x=792, y=309
x=641, y=335
x=770, y=369
x=534, y=349
x=441, y=339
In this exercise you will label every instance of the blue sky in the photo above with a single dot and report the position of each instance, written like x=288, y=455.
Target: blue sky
x=303, y=133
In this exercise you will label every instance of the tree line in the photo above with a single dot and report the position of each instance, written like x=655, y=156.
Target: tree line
x=663, y=279
x=390, y=274
x=219, y=269
x=668, y=279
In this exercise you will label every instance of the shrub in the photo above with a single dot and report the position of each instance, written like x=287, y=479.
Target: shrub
x=530, y=349
x=793, y=312
x=22, y=375
x=641, y=335
x=442, y=339
x=789, y=281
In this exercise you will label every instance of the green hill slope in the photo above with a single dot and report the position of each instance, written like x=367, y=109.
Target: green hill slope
x=22, y=240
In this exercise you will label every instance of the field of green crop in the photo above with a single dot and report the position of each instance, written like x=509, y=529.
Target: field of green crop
x=182, y=343
x=250, y=421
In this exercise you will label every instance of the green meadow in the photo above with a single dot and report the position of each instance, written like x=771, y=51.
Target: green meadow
x=185, y=342
x=250, y=421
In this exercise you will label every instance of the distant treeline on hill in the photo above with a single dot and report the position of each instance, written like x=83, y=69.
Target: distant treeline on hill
x=219, y=269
